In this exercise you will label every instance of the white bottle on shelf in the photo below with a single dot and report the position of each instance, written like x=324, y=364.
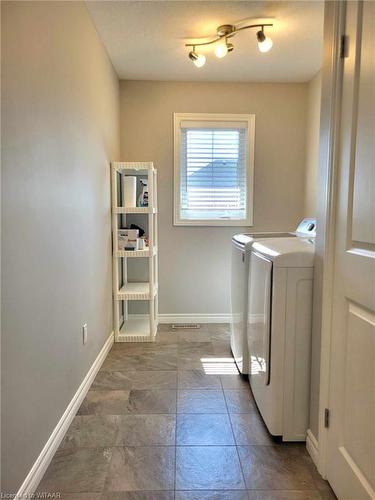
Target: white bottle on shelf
x=129, y=190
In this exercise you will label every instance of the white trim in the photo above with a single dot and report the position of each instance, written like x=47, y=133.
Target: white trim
x=312, y=447
x=194, y=318
x=249, y=119
x=37, y=471
x=331, y=85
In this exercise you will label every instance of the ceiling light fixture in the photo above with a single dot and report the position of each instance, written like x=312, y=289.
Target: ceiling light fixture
x=222, y=46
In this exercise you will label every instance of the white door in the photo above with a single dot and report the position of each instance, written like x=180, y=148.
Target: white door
x=351, y=434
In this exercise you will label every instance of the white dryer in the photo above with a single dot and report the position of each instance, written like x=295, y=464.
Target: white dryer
x=241, y=247
x=279, y=333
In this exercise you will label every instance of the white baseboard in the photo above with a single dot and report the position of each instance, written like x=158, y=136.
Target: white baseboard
x=42, y=462
x=312, y=447
x=194, y=318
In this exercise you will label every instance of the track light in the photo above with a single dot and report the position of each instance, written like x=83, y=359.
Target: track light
x=198, y=59
x=222, y=47
x=264, y=42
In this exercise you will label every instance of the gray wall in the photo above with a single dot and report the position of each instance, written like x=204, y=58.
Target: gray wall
x=195, y=261
x=312, y=144
x=60, y=130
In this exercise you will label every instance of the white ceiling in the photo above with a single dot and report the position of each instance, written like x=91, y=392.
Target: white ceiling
x=145, y=39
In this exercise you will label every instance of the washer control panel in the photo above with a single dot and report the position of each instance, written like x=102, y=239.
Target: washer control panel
x=306, y=228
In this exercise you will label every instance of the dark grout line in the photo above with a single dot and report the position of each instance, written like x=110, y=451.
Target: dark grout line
x=175, y=444
x=234, y=437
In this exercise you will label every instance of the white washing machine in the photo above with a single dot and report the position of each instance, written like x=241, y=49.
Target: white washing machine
x=279, y=333
x=241, y=247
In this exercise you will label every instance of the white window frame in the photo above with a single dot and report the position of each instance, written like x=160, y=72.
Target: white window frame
x=215, y=117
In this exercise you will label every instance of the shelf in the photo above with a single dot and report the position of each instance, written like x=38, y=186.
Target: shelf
x=135, y=291
x=136, y=329
x=134, y=210
x=139, y=327
x=135, y=253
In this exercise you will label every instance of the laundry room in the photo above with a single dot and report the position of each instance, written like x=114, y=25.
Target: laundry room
x=185, y=227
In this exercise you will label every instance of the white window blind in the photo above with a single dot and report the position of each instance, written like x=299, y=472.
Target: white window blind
x=213, y=171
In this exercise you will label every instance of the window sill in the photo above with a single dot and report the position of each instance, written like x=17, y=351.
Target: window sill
x=214, y=223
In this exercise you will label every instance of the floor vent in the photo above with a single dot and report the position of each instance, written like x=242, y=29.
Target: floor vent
x=185, y=326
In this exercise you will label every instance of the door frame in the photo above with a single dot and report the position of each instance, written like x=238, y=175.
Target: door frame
x=332, y=76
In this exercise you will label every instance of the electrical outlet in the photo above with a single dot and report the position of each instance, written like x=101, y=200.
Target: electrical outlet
x=84, y=333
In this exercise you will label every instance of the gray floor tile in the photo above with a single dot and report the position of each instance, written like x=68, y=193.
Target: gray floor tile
x=190, y=363
x=77, y=470
x=208, y=468
x=327, y=494
x=141, y=468
x=165, y=327
x=200, y=335
x=104, y=403
x=221, y=349
x=204, y=430
x=240, y=401
x=138, y=495
x=146, y=430
x=197, y=379
x=92, y=431
x=219, y=328
x=248, y=428
x=155, y=380
x=284, y=495
x=119, y=360
x=116, y=360
x=205, y=401
x=321, y=484
x=112, y=380
x=122, y=380
x=154, y=401
x=159, y=363
x=167, y=337
x=195, y=349
x=129, y=415
x=140, y=348
x=219, y=335
x=235, y=381
x=211, y=495
x=211, y=365
x=275, y=468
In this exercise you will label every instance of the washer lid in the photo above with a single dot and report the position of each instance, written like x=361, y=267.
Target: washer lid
x=245, y=238
x=242, y=239
x=287, y=252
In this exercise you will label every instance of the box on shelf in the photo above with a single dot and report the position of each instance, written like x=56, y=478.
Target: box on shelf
x=127, y=239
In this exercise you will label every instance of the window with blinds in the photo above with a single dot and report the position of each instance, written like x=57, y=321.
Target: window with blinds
x=213, y=170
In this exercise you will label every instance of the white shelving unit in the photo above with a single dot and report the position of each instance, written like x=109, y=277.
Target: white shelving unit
x=134, y=327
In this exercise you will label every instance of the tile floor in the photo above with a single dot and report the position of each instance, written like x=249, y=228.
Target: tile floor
x=174, y=420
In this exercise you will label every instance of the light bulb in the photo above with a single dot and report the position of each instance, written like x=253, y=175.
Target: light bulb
x=265, y=45
x=221, y=50
x=198, y=59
